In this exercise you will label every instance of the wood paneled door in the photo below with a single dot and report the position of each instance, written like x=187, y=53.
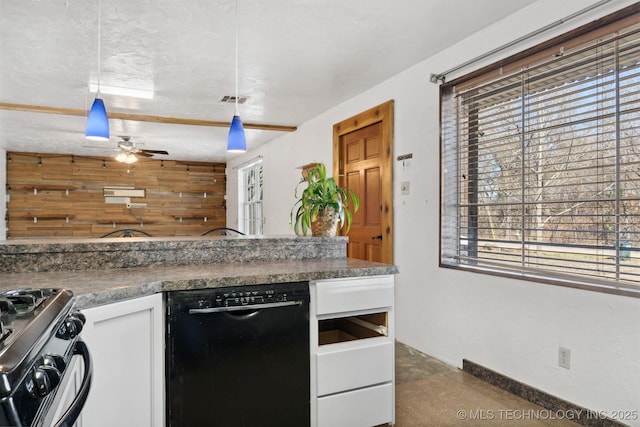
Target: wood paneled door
x=363, y=162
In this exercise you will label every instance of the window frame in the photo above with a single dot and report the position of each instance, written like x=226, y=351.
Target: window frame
x=246, y=224
x=578, y=37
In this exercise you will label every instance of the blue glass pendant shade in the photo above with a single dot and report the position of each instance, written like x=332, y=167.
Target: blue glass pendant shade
x=236, y=142
x=97, y=122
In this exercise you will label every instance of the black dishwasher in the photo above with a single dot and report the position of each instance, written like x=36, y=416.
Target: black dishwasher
x=238, y=356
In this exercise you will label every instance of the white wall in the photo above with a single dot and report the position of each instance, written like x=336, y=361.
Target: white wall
x=280, y=161
x=511, y=326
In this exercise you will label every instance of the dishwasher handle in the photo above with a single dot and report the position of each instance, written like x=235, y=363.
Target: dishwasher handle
x=243, y=307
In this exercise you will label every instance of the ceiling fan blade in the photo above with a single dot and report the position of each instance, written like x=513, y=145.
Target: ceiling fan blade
x=143, y=154
x=154, y=151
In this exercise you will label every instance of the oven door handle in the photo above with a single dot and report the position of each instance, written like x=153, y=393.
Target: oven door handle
x=73, y=412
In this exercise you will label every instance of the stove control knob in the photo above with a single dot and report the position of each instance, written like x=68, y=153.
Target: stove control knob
x=70, y=328
x=78, y=320
x=55, y=361
x=45, y=379
x=79, y=315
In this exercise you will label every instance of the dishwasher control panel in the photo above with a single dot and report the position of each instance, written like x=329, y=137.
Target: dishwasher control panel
x=249, y=295
x=235, y=298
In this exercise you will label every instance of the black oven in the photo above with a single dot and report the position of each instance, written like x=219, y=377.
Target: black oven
x=40, y=347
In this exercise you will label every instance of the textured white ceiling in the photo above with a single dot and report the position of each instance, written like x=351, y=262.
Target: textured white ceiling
x=297, y=58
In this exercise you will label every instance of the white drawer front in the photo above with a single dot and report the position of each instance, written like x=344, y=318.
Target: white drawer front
x=344, y=295
x=360, y=408
x=354, y=364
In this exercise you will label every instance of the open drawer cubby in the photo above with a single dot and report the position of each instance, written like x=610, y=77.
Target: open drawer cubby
x=342, y=329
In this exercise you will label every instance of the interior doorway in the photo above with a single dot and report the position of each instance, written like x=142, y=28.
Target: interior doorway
x=363, y=161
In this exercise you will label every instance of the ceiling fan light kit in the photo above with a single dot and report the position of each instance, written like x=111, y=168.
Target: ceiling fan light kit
x=126, y=157
x=97, y=128
x=129, y=153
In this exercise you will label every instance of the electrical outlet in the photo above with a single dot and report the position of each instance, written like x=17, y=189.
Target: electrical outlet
x=564, y=357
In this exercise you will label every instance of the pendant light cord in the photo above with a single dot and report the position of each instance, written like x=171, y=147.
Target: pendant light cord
x=99, y=50
x=236, y=64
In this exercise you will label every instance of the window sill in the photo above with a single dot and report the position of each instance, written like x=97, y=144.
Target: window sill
x=607, y=287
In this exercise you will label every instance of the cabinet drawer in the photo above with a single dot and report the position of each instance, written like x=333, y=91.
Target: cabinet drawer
x=365, y=407
x=344, y=295
x=350, y=365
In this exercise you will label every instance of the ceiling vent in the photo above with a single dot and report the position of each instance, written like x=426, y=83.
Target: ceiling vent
x=231, y=99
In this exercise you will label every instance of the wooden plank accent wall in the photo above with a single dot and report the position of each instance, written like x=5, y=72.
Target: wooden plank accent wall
x=53, y=195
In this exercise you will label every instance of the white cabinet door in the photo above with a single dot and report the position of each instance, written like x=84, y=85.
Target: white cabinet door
x=364, y=407
x=353, y=294
x=351, y=365
x=126, y=344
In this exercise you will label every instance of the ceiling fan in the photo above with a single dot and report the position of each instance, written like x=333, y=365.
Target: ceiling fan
x=128, y=151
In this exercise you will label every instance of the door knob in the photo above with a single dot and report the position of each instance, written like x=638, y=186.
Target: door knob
x=378, y=237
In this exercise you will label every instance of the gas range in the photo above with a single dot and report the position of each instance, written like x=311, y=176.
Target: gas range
x=39, y=337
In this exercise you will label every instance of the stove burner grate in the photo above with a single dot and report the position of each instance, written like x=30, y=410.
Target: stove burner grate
x=17, y=306
x=22, y=301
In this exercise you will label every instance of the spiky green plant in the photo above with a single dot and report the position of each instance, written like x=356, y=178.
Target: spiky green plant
x=321, y=193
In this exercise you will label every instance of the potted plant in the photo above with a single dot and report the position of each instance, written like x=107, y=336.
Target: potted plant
x=323, y=205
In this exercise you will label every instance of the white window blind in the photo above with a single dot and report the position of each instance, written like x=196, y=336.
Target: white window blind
x=541, y=167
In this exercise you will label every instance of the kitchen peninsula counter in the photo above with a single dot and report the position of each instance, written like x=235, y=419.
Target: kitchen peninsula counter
x=101, y=271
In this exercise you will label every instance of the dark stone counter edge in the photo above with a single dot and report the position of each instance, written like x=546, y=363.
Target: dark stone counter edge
x=111, y=295
x=48, y=246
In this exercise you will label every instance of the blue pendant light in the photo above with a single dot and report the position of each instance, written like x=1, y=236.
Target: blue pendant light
x=236, y=142
x=97, y=122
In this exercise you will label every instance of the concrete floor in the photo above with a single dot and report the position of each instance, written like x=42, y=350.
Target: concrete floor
x=431, y=393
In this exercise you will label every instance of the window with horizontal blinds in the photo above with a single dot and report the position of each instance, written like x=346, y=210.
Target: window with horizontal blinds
x=540, y=167
x=251, y=199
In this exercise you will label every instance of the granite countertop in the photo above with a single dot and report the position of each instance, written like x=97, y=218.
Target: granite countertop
x=96, y=287
x=101, y=271
x=39, y=255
